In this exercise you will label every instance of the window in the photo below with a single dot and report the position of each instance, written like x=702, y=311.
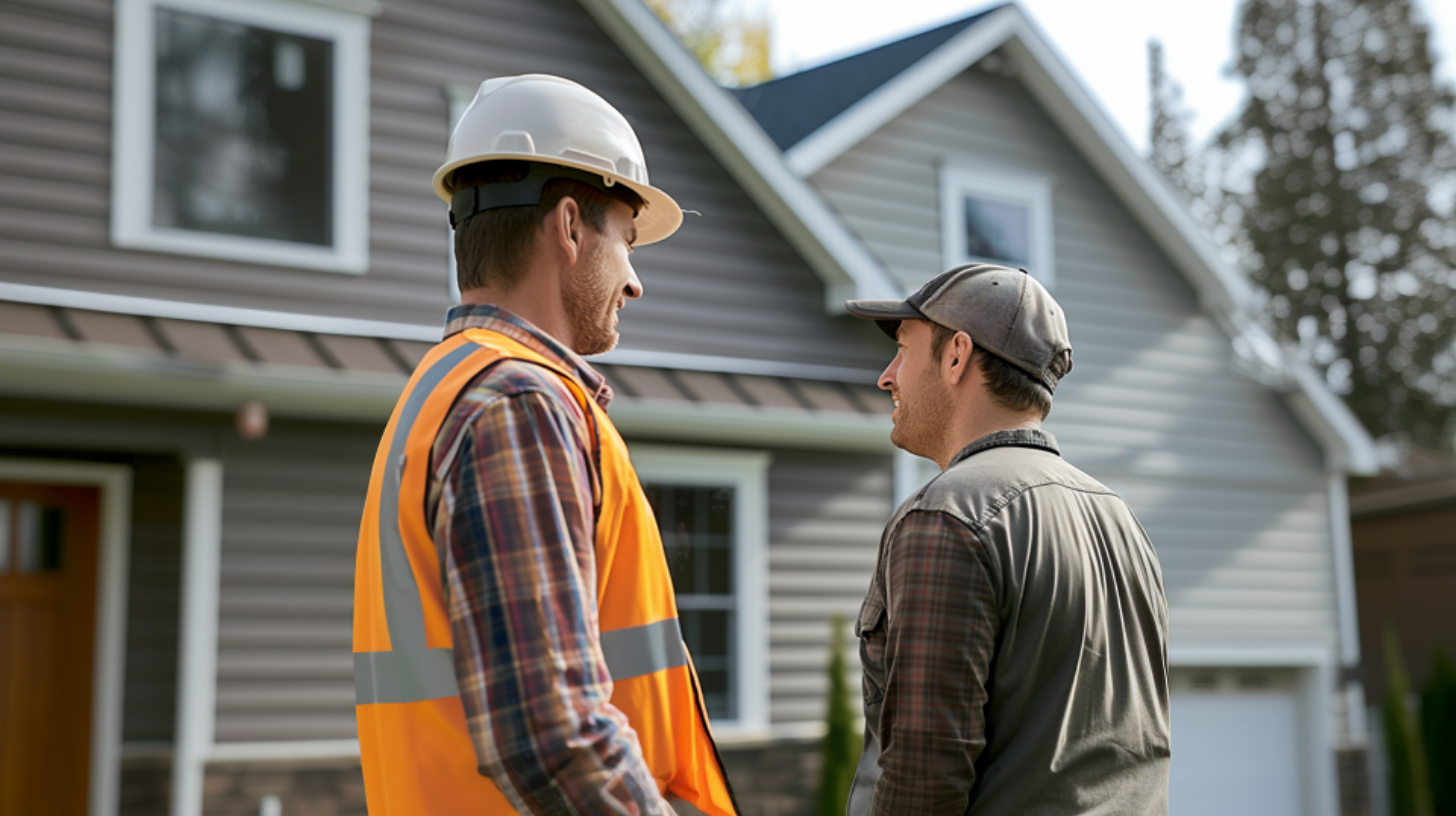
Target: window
x=997, y=216
x=711, y=508
x=242, y=131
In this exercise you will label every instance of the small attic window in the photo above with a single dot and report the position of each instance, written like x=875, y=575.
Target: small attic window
x=997, y=216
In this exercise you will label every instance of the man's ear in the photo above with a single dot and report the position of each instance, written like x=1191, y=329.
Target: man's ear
x=564, y=228
x=957, y=358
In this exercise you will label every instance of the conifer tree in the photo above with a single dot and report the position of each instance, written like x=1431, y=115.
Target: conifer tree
x=841, y=748
x=1346, y=214
x=1171, y=148
x=1410, y=778
x=1438, y=728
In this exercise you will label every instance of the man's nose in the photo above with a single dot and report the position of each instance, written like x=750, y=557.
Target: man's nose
x=887, y=377
x=633, y=289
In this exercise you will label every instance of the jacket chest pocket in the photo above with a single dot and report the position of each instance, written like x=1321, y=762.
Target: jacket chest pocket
x=870, y=629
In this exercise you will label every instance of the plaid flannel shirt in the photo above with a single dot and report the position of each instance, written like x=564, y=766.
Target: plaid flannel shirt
x=511, y=503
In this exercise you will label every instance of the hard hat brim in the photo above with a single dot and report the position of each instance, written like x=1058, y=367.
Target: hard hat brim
x=659, y=217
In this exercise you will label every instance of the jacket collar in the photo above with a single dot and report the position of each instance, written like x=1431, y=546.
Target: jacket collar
x=1022, y=438
x=494, y=318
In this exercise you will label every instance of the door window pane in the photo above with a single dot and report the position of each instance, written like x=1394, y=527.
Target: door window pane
x=40, y=534
x=698, y=535
x=998, y=231
x=243, y=130
x=4, y=536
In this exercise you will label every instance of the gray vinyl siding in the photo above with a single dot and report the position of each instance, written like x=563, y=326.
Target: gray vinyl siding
x=153, y=597
x=290, y=524
x=290, y=527
x=826, y=513
x=1228, y=483
x=728, y=284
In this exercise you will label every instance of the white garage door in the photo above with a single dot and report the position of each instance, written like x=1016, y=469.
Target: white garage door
x=1236, y=745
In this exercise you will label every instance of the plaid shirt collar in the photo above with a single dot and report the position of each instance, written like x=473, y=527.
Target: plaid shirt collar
x=494, y=318
x=1021, y=438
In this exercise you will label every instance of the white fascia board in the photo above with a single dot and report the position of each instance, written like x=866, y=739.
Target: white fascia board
x=893, y=98
x=835, y=255
x=1348, y=446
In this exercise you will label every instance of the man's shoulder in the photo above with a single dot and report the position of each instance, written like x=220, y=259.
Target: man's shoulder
x=982, y=485
x=515, y=379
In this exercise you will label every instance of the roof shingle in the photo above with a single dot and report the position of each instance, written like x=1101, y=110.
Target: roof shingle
x=792, y=107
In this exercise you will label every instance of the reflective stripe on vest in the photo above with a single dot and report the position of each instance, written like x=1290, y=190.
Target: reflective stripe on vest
x=410, y=714
x=415, y=675
x=410, y=672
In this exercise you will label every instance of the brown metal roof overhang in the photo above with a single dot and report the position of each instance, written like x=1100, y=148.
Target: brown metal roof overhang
x=74, y=354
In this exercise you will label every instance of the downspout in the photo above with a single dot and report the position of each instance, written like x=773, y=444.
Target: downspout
x=1353, y=732
x=197, y=646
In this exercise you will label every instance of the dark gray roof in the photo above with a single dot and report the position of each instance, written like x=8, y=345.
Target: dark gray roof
x=792, y=107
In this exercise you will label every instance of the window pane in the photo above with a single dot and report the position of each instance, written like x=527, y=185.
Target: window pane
x=998, y=231
x=243, y=130
x=40, y=533
x=697, y=534
x=709, y=634
x=4, y=536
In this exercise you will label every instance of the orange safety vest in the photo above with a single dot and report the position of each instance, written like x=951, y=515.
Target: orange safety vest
x=417, y=753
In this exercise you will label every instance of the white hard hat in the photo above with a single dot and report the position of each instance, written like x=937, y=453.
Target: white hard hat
x=554, y=121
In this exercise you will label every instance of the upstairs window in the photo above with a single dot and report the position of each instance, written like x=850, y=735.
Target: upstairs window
x=241, y=131
x=997, y=216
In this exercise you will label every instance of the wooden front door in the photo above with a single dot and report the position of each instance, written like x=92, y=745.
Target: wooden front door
x=48, y=554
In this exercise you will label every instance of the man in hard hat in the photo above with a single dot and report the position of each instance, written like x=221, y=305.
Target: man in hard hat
x=516, y=643
x=1014, y=637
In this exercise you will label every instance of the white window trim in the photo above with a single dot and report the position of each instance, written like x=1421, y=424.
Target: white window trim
x=747, y=473
x=958, y=179
x=109, y=662
x=132, y=142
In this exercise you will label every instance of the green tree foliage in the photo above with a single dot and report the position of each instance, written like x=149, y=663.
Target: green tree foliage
x=733, y=47
x=1410, y=781
x=842, y=744
x=1438, y=726
x=1345, y=173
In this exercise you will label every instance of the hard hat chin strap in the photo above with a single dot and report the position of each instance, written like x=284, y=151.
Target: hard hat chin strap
x=469, y=201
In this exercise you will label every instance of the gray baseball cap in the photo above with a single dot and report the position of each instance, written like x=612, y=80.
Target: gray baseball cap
x=1005, y=311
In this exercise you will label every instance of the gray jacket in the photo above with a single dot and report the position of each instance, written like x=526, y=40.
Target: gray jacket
x=1061, y=650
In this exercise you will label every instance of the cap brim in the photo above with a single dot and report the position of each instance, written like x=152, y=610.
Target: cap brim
x=887, y=314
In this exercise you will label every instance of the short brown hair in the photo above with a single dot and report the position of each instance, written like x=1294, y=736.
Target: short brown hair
x=493, y=248
x=1010, y=387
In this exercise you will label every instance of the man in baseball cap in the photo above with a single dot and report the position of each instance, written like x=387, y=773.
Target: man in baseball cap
x=1014, y=637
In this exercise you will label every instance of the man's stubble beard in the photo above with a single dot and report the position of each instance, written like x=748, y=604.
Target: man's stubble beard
x=591, y=306
x=925, y=415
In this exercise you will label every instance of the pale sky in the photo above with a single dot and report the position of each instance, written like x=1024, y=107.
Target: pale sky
x=1105, y=43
